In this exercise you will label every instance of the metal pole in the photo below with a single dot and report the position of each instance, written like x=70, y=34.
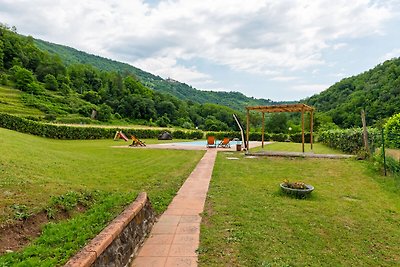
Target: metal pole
x=383, y=151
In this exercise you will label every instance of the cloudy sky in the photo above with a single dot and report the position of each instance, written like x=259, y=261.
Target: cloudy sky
x=276, y=49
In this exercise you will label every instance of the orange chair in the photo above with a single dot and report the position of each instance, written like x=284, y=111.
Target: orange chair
x=136, y=142
x=225, y=143
x=211, y=141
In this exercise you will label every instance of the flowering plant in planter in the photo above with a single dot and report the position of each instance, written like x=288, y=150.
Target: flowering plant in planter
x=296, y=189
x=294, y=185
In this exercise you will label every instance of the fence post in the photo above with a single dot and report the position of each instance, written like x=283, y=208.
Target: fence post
x=383, y=151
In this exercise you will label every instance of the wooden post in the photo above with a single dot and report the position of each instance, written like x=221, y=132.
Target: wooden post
x=262, y=137
x=247, y=130
x=302, y=128
x=365, y=132
x=311, y=128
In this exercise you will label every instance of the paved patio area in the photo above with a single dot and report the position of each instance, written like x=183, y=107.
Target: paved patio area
x=175, y=237
x=179, y=146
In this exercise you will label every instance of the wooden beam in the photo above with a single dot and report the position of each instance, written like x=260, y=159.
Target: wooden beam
x=282, y=108
x=302, y=129
x=263, y=128
x=311, y=128
x=247, y=130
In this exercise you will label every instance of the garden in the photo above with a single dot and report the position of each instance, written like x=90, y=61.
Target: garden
x=350, y=219
x=71, y=189
x=87, y=182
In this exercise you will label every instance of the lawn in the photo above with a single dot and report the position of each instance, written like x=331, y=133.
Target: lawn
x=34, y=170
x=351, y=219
x=297, y=147
x=10, y=102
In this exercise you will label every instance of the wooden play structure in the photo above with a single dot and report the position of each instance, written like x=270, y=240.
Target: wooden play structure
x=281, y=108
x=120, y=135
x=136, y=141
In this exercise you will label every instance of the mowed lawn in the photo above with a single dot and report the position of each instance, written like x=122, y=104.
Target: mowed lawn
x=351, y=219
x=296, y=147
x=32, y=169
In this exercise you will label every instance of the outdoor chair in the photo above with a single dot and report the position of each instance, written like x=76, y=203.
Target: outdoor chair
x=225, y=143
x=211, y=141
x=136, y=142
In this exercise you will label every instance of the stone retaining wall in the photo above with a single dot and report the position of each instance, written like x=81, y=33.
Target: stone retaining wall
x=119, y=242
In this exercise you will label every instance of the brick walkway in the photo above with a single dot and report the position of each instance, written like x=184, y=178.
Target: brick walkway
x=175, y=237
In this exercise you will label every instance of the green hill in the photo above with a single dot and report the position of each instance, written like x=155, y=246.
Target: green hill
x=183, y=91
x=376, y=90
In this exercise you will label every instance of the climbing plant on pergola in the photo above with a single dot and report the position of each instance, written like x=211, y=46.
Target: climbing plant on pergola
x=282, y=108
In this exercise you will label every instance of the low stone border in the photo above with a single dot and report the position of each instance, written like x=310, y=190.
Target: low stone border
x=119, y=242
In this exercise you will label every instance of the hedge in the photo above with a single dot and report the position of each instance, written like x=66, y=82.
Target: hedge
x=392, y=131
x=74, y=133
x=350, y=140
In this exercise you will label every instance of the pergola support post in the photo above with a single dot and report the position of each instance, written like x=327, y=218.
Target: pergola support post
x=311, y=128
x=302, y=129
x=247, y=130
x=283, y=108
x=263, y=130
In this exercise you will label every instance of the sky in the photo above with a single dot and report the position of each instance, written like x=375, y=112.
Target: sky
x=278, y=50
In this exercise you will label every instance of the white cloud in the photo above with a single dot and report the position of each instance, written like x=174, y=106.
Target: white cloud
x=392, y=54
x=310, y=88
x=339, y=46
x=265, y=38
x=284, y=78
x=168, y=68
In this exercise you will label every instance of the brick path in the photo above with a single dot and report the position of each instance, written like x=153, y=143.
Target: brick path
x=175, y=237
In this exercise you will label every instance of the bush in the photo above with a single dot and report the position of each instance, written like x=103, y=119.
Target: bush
x=392, y=131
x=69, y=132
x=22, y=77
x=349, y=140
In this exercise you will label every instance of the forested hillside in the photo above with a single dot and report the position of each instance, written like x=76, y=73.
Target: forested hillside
x=377, y=91
x=183, y=91
x=85, y=93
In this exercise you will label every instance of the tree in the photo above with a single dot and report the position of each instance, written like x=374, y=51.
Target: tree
x=104, y=112
x=50, y=82
x=22, y=77
x=135, y=87
x=277, y=123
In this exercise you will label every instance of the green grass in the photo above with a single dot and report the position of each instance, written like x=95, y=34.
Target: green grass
x=11, y=103
x=351, y=219
x=297, y=147
x=35, y=170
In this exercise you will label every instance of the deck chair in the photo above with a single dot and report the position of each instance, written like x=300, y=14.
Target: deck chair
x=211, y=141
x=225, y=143
x=136, y=142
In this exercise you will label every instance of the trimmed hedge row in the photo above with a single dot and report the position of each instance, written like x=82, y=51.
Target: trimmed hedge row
x=74, y=133
x=350, y=140
x=257, y=136
x=392, y=130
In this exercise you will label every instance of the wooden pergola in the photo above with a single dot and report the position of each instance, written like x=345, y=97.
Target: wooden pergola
x=282, y=108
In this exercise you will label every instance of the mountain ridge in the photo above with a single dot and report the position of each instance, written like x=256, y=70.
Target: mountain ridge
x=183, y=91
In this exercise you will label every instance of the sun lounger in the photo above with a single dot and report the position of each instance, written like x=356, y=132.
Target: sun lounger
x=211, y=141
x=225, y=143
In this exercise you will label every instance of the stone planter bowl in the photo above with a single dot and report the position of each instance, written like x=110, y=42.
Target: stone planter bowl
x=298, y=193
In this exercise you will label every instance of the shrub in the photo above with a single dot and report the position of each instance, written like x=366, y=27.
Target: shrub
x=69, y=132
x=392, y=131
x=349, y=140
